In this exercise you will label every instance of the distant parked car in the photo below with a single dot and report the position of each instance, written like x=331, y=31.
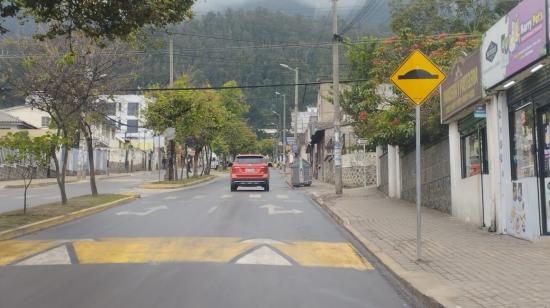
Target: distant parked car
x=214, y=163
x=249, y=170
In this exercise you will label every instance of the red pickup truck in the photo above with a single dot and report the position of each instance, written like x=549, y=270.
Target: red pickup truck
x=250, y=170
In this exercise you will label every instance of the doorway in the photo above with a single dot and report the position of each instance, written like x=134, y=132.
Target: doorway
x=543, y=121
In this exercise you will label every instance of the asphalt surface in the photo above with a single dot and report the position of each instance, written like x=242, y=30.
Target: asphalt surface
x=12, y=198
x=197, y=247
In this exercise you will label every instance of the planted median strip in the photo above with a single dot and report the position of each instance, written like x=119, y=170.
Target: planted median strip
x=16, y=223
x=178, y=183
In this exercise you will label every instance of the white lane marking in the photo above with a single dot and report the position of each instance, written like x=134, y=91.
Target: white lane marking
x=198, y=197
x=171, y=198
x=292, y=201
x=212, y=209
x=226, y=196
x=277, y=210
x=264, y=256
x=147, y=212
x=282, y=196
x=55, y=256
x=254, y=196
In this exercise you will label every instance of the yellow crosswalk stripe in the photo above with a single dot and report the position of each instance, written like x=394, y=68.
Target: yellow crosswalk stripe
x=194, y=249
x=11, y=251
x=159, y=250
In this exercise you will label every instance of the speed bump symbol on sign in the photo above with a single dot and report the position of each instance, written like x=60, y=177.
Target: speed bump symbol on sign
x=418, y=77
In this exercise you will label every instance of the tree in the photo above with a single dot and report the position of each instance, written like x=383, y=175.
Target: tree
x=68, y=85
x=166, y=109
x=266, y=146
x=98, y=19
x=447, y=16
x=202, y=125
x=387, y=117
x=27, y=155
x=234, y=100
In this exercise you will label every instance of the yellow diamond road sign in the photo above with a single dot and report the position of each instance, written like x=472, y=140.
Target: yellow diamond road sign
x=418, y=77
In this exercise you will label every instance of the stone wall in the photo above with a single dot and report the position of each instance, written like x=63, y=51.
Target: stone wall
x=358, y=167
x=356, y=176
x=383, y=185
x=436, y=178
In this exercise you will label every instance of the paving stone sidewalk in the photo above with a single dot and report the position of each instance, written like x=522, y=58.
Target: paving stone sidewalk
x=463, y=266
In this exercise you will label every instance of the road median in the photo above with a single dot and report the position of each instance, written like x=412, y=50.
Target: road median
x=14, y=224
x=178, y=184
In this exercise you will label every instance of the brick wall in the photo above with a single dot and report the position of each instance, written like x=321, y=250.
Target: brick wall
x=436, y=179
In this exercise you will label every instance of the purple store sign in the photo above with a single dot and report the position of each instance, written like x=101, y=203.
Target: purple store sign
x=514, y=42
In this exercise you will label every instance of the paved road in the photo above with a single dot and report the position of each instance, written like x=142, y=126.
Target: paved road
x=12, y=198
x=195, y=247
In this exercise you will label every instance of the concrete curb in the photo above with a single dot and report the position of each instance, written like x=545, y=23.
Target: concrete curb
x=423, y=293
x=66, y=182
x=55, y=221
x=176, y=186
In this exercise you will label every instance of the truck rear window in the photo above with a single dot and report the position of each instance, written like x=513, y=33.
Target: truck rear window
x=250, y=160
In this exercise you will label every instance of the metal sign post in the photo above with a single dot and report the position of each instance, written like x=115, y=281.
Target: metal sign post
x=418, y=188
x=418, y=77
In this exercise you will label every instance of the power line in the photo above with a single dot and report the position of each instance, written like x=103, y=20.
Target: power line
x=238, y=87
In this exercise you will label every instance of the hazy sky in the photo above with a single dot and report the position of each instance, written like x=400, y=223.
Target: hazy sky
x=321, y=5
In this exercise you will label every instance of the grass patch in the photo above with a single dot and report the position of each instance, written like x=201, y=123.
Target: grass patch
x=14, y=219
x=184, y=180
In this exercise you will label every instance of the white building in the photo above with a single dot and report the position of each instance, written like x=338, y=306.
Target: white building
x=127, y=111
x=32, y=116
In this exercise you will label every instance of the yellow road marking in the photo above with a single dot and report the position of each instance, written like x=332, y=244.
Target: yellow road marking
x=11, y=251
x=189, y=249
x=322, y=254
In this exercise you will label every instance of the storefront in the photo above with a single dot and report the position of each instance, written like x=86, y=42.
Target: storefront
x=514, y=61
x=463, y=109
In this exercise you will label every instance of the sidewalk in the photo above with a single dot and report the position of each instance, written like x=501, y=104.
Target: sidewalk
x=462, y=265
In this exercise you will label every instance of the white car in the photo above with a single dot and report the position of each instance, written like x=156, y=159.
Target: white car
x=214, y=163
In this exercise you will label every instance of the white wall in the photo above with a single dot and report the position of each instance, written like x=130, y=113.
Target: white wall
x=394, y=172
x=465, y=193
x=27, y=114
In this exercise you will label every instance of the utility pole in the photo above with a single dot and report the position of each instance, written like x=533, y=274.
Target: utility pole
x=171, y=52
x=296, y=116
x=284, y=133
x=336, y=100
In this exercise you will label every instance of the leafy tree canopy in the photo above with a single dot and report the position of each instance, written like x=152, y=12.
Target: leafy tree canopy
x=98, y=19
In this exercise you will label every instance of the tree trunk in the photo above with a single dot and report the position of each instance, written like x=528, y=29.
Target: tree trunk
x=185, y=162
x=175, y=163
x=203, y=163
x=196, y=162
x=90, y=147
x=64, y=199
x=171, y=155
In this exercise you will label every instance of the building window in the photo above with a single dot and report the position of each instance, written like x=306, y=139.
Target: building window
x=133, y=109
x=132, y=126
x=111, y=109
x=474, y=153
x=522, y=144
x=45, y=122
